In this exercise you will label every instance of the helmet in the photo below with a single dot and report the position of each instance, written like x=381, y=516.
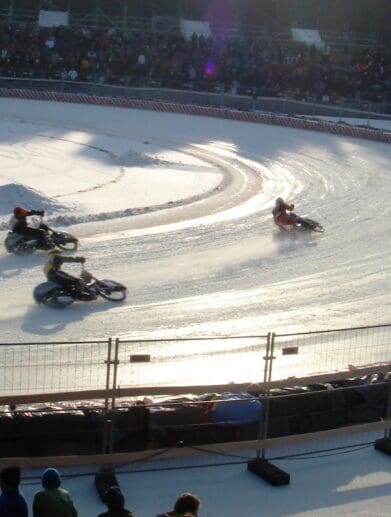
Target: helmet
x=279, y=201
x=20, y=212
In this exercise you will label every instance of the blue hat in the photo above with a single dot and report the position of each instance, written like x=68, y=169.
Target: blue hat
x=51, y=478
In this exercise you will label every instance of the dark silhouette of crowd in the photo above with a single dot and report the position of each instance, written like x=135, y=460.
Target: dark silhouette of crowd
x=12, y=501
x=54, y=501
x=256, y=67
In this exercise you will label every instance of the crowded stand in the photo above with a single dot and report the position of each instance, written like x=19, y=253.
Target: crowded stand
x=256, y=67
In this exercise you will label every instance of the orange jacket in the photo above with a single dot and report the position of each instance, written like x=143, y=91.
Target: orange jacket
x=281, y=216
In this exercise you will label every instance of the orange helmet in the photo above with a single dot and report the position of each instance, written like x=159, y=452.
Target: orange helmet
x=20, y=212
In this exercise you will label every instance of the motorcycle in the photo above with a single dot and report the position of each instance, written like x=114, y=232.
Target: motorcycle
x=57, y=296
x=302, y=224
x=25, y=245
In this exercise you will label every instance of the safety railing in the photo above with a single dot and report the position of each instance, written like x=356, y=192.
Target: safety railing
x=122, y=367
x=222, y=400
x=53, y=367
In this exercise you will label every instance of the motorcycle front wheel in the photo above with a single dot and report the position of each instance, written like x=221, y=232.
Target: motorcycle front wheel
x=111, y=290
x=65, y=241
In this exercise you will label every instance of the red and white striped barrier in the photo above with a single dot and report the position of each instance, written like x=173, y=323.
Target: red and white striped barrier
x=192, y=109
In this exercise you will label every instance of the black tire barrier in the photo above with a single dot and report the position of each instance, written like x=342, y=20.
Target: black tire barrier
x=189, y=420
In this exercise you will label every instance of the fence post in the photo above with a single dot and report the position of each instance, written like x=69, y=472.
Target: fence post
x=384, y=444
x=266, y=410
x=387, y=432
x=108, y=431
x=266, y=378
x=107, y=421
x=261, y=466
x=115, y=362
x=108, y=361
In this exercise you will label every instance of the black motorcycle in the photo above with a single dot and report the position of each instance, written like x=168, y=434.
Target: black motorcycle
x=302, y=224
x=58, y=296
x=24, y=245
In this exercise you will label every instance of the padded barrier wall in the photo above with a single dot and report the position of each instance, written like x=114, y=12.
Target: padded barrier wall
x=191, y=109
x=80, y=428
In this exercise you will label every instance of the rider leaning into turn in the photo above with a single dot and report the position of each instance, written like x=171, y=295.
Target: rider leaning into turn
x=280, y=213
x=19, y=224
x=54, y=273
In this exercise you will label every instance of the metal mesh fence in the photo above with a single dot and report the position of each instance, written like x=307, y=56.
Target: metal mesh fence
x=27, y=368
x=52, y=367
x=313, y=353
x=190, y=361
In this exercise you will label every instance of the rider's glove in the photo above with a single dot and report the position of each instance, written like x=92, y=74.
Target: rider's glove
x=292, y=207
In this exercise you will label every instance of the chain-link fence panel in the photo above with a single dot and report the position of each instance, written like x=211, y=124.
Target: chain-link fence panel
x=27, y=368
x=190, y=361
x=316, y=353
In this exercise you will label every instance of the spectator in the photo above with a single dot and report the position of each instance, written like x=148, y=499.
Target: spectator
x=259, y=65
x=53, y=501
x=72, y=74
x=12, y=502
x=115, y=503
x=187, y=505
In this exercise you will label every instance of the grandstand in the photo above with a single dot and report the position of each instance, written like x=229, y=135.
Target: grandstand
x=114, y=43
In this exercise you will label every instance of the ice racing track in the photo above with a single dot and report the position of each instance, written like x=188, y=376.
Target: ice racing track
x=214, y=264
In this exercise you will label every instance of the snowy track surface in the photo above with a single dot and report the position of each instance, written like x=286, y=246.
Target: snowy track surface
x=178, y=209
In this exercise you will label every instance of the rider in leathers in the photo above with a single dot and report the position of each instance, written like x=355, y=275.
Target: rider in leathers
x=18, y=224
x=54, y=273
x=280, y=213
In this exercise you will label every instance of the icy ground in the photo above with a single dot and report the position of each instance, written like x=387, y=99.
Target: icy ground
x=178, y=209
x=210, y=263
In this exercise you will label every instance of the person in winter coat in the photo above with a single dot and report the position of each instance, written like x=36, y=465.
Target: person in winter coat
x=115, y=503
x=12, y=502
x=19, y=224
x=187, y=505
x=53, y=501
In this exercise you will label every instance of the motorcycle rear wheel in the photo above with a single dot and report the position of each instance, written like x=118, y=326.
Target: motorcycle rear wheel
x=57, y=298
x=23, y=250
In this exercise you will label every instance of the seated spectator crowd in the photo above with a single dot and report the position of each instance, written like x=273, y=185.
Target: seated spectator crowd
x=54, y=501
x=256, y=67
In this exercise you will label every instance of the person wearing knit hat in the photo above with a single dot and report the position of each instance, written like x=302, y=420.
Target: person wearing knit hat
x=115, y=503
x=51, y=478
x=53, y=500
